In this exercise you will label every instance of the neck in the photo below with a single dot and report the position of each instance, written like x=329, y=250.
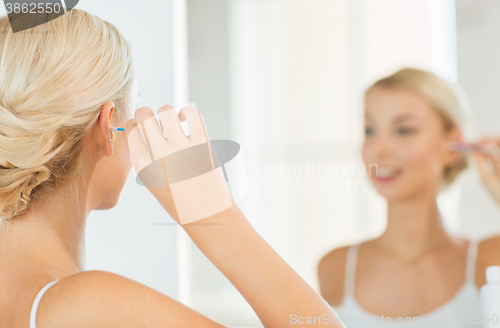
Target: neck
x=414, y=226
x=51, y=232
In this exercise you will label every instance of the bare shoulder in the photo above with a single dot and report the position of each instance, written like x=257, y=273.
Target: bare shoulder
x=488, y=253
x=331, y=275
x=104, y=299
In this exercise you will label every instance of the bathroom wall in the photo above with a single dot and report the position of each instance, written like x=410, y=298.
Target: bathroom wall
x=478, y=52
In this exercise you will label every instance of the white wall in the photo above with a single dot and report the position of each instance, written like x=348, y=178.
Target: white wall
x=122, y=240
x=479, y=73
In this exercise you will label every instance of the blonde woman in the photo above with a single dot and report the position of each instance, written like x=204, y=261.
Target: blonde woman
x=415, y=269
x=63, y=84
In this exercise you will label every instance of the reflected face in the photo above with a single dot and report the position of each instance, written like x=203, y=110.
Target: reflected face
x=405, y=148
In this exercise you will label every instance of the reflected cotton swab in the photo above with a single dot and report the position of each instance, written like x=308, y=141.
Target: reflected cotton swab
x=475, y=147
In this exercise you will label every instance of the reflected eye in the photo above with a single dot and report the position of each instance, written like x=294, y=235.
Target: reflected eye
x=369, y=131
x=405, y=131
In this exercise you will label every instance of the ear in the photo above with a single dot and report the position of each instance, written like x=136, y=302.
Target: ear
x=450, y=156
x=103, y=135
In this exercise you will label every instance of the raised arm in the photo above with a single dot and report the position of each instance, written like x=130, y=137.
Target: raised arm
x=278, y=295
x=489, y=170
x=489, y=166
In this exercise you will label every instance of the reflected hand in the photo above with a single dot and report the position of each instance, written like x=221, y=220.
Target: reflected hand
x=489, y=166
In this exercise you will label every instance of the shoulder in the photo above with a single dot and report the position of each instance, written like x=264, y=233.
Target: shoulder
x=331, y=260
x=89, y=297
x=93, y=283
x=488, y=253
x=489, y=250
x=98, y=298
x=331, y=275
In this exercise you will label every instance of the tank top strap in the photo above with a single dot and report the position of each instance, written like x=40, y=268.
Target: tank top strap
x=350, y=270
x=471, y=261
x=36, y=302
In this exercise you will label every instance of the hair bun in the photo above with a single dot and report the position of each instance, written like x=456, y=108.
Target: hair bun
x=17, y=186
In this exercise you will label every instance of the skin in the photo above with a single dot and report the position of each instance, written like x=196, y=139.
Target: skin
x=47, y=243
x=415, y=265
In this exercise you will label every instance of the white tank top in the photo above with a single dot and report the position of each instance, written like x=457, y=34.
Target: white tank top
x=36, y=302
x=459, y=311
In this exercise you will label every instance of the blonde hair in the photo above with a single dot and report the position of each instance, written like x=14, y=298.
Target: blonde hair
x=445, y=98
x=54, y=80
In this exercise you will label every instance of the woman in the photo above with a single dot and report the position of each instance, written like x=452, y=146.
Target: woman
x=63, y=84
x=415, y=268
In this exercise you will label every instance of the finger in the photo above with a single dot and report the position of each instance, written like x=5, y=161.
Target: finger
x=132, y=123
x=484, y=140
x=485, y=166
x=140, y=116
x=153, y=135
x=491, y=145
x=197, y=132
x=494, y=159
x=495, y=141
x=170, y=123
x=138, y=151
x=489, y=140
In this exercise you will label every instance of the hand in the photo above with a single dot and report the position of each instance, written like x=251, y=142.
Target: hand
x=489, y=167
x=177, y=169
